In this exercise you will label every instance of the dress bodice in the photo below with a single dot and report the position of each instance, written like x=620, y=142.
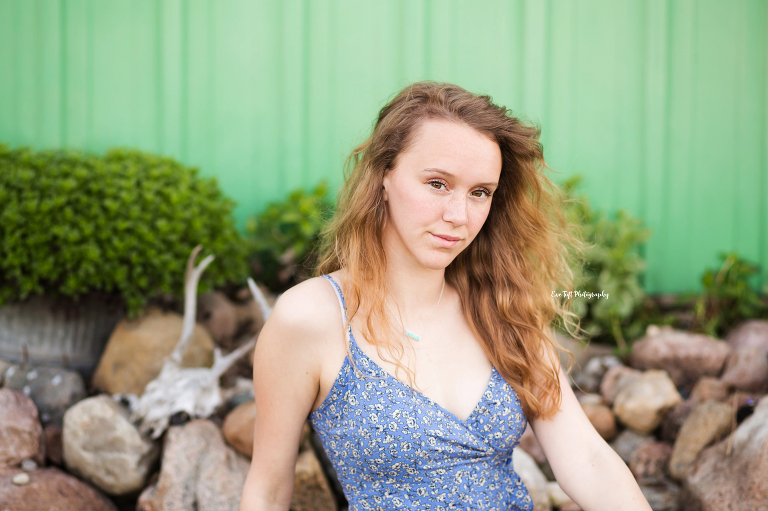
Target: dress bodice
x=395, y=448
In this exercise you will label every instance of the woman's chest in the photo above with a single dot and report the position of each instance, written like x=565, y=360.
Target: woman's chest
x=449, y=366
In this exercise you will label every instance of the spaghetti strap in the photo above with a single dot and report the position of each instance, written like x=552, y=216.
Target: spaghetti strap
x=343, y=307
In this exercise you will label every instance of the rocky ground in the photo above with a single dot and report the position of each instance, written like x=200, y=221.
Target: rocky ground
x=687, y=414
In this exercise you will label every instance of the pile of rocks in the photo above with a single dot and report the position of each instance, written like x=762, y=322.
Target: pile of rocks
x=70, y=445
x=688, y=415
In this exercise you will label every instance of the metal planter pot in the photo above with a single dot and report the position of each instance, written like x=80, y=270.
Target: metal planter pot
x=51, y=338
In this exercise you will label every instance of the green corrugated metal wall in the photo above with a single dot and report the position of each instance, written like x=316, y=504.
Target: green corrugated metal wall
x=660, y=104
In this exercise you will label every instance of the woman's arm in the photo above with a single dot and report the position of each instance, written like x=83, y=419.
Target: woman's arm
x=588, y=470
x=286, y=373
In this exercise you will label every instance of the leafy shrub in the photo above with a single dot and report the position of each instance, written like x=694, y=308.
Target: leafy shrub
x=125, y=223
x=612, y=265
x=285, y=237
x=727, y=298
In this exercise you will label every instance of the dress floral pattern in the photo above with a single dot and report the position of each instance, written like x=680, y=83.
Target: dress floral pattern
x=395, y=448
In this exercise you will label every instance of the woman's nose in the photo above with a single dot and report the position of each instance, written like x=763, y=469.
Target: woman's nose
x=456, y=210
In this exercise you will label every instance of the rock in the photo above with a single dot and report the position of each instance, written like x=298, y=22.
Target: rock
x=615, y=379
x=709, y=388
x=4, y=366
x=20, y=479
x=602, y=419
x=135, y=352
x=530, y=445
x=102, y=446
x=238, y=428
x=229, y=321
x=642, y=404
x=662, y=496
x=21, y=435
x=732, y=480
x=747, y=370
x=589, y=399
x=686, y=357
x=311, y=491
x=649, y=462
x=557, y=496
x=199, y=471
x=52, y=389
x=50, y=489
x=590, y=377
x=753, y=333
x=53, y=444
x=674, y=420
x=28, y=465
x=525, y=466
x=628, y=442
x=582, y=353
x=707, y=423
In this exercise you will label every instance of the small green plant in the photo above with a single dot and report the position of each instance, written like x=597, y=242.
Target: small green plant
x=612, y=266
x=123, y=224
x=285, y=237
x=727, y=297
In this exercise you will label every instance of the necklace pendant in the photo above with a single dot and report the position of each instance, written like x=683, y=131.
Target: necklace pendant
x=412, y=335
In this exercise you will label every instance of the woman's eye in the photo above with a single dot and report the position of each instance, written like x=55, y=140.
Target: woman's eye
x=438, y=183
x=482, y=190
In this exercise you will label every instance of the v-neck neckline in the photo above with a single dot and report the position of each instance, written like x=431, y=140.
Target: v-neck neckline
x=437, y=405
x=353, y=342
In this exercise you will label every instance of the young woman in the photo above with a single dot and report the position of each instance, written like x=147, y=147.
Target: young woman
x=423, y=348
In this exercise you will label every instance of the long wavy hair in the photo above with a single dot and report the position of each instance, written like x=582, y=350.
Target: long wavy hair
x=507, y=278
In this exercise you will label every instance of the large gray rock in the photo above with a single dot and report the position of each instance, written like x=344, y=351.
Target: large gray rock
x=52, y=389
x=50, y=489
x=734, y=480
x=199, y=472
x=102, y=446
x=685, y=356
x=533, y=479
x=21, y=435
x=642, y=404
x=707, y=423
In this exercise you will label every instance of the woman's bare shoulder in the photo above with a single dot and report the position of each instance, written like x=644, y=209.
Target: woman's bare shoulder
x=308, y=311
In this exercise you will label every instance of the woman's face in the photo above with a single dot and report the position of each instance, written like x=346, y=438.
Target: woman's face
x=439, y=193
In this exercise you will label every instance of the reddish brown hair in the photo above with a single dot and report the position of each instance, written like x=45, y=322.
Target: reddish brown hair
x=505, y=277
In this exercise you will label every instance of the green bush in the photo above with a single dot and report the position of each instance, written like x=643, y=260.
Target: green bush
x=727, y=297
x=123, y=223
x=612, y=265
x=285, y=237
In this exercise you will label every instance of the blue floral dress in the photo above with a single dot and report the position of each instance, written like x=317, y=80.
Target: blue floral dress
x=395, y=448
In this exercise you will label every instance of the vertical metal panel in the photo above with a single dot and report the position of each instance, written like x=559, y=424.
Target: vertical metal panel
x=661, y=104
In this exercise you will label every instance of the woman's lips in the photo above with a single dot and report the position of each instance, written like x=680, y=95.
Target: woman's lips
x=446, y=242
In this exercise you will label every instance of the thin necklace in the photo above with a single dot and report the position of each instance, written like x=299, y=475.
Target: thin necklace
x=411, y=334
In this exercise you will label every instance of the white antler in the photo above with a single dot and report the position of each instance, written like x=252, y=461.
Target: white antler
x=194, y=390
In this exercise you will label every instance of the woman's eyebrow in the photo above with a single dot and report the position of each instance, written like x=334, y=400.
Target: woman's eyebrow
x=448, y=174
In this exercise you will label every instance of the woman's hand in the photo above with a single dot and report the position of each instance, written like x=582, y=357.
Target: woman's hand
x=286, y=371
